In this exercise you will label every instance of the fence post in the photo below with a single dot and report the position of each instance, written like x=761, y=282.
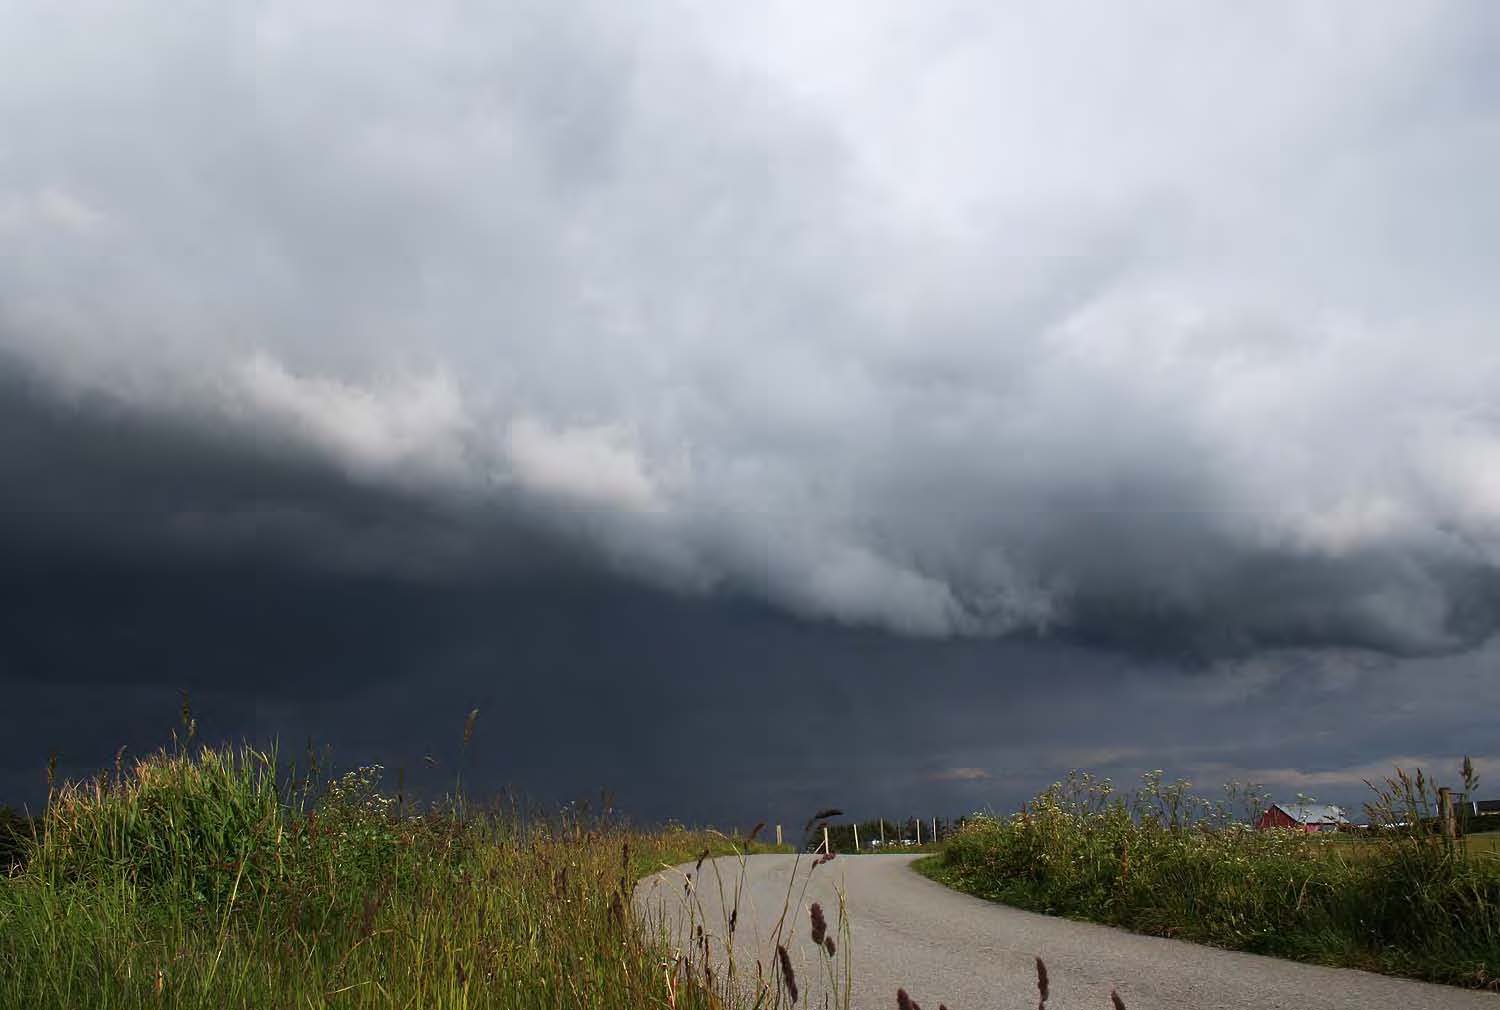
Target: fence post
x=919, y=831
x=778, y=835
x=856, y=836
x=825, y=840
x=1445, y=811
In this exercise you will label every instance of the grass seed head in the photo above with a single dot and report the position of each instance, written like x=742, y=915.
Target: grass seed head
x=819, y=924
x=822, y=815
x=788, y=975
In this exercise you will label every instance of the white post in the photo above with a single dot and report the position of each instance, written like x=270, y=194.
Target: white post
x=778, y=835
x=934, y=830
x=825, y=840
x=882, y=832
x=919, y=831
x=856, y=836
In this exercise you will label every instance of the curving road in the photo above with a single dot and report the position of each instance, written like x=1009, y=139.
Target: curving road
x=943, y=946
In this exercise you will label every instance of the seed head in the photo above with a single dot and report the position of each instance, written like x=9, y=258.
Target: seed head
x=819, y=924
x=788, y=976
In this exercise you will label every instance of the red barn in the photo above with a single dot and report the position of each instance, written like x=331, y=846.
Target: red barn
x=1309, y=817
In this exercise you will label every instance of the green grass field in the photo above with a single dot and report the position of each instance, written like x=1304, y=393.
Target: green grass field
x=210, y=881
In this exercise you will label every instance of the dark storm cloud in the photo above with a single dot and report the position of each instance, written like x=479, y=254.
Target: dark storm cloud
x=901, y=396
x=968, y=325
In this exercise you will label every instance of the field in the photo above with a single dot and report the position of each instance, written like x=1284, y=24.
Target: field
x=219, y=879
x=1401, y=901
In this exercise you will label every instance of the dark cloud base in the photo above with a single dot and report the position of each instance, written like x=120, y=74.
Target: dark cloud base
x=318, y=619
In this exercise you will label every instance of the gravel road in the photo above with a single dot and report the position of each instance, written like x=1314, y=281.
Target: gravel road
x=942, y=946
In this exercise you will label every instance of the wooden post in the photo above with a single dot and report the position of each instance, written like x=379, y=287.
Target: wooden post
x=882, y=832
x=934, y=830
x=778, y=835
x=856, y=836
x=1445, y=812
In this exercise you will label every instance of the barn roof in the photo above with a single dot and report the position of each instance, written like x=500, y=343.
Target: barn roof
x=1313, y=813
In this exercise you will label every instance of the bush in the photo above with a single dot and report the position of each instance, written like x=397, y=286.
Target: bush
x=17, y=832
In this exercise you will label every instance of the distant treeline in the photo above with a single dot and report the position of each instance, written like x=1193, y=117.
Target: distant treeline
x=894, y=831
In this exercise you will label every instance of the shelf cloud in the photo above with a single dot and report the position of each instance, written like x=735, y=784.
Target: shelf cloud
x=1167, y=332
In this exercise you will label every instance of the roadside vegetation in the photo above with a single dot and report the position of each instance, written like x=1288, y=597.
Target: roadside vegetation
x=219, y=878
x=1399, y=898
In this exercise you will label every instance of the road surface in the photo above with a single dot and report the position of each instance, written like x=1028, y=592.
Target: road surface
x=950, y=948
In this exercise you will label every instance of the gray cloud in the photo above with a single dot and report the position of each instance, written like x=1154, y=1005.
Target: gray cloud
x=1176, y=334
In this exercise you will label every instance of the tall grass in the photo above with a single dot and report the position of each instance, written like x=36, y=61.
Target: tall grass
x=216, y=879
x=1401, y=900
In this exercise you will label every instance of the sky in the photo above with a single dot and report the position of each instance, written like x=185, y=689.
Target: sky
x=752, y=408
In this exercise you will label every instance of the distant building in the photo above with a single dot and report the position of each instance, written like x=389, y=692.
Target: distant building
x=1309, y=817
x=1485, y=806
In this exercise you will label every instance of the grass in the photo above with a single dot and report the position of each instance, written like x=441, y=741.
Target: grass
x=217, y=879
x=1402, y=901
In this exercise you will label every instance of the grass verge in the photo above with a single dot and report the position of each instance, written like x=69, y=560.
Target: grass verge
x=1403, y=901
x=216, y=879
